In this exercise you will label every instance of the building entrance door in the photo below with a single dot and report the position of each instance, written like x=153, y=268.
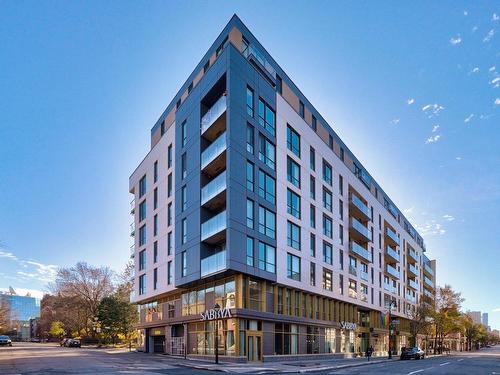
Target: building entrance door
x=158, y=344
x=254, y=346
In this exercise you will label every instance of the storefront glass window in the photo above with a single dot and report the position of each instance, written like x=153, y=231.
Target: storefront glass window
x=330, y=340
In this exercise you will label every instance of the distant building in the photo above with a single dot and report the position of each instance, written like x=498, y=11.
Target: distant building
x=22, y=309
x=476, y=316
x=485, y=320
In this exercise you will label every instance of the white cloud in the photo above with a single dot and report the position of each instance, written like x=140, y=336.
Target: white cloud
x=30, y=269
x=433, y=139
x=495, y=17
x=430, y=228
x=468, y=118
x=435, y=128
x=448, y=217
x=488, y=36
x=466, y=13
x=497, y=101
x=475, y=70
x=395, y=121
x=495, y=82
x=456, y=40
x=432, y=110
x=492, y=69
x=4, y=254
x=496, y=310
x=23, y=292
x=474, y=29
x=410, y=101
x=458, y=158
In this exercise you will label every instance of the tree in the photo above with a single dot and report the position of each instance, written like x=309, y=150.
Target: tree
x=447, y=315
x=57, y=329
x=5, y=314
x=420, y=320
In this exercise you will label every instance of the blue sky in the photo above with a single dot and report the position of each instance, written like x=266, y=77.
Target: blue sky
x=413, y=91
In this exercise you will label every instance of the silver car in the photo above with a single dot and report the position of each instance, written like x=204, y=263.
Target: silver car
x=5, y=340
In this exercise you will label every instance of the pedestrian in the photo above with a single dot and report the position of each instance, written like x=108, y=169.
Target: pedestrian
x=369, y=352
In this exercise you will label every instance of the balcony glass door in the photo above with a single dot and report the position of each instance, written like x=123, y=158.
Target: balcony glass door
x=254, y=346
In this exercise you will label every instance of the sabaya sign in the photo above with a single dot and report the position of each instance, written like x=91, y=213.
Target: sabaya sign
x=212, y=314
x=348, y=325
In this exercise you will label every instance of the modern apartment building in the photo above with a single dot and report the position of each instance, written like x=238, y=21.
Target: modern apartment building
x=253, y=221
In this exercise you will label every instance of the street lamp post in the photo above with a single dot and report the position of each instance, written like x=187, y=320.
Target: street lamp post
x=216, y=333
x=393, y=303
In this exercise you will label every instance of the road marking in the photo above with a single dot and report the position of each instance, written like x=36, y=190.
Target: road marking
x=415, y=372
x=444, y=364
x=460, y=360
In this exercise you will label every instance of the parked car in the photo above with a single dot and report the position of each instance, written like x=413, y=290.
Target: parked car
x=5, y=340
x=73, y=343
x=63, y=341
x=412, y=352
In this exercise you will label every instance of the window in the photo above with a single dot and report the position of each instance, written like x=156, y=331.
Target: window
x=293, y=172
x=178, y=104
x=301, y=109
x=341, y=284
x=169, y=185
x=169, y=156
x=327, y=226
x=142, y=235
x=327, y=199
x=314, y=123
x=206, y=66
x=327, y=172
x=341, y=185
x=183, y=198
x=155, y=198
x=279, y=84
x=341, y=234
x=327, y=252
x=155, y=225
x=267, y=152
x=250, y=251
x=184, y=231
x=353, y=290
x=286, y=338
x=183, y=264
x=312, y=216
x=142, y=186
x=330, y=141
x=312, y=274
x=250, y=208
x=169, y=243
x=312, y=187
x=293, y=267
x=341, y=259
x=267, y=257
x=155, y=252
x=183, y=134
x=267, y=187
x=327, y=279
x=169, y=214
x=341, y=210
x=250, y=138
x=293, y=140
x=162, y=131
x=142, y=210
x=293, y=204
x=142, y=284
x=183, y=166
x=155, y=278
x=341, y=154
x=312, y=244
x=267, y=222
x=190, y=88
x=155, y=171
x=293, y=235
x=142, y=260
x=267, y=117
x=312, y=159
x=249, y=101
x=249, y=176
x=169, y=272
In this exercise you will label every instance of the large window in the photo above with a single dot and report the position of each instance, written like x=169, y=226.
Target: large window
x=267, y=152
x=169, y=214
x=249, y=101
x=250, y=138
x=155, y=198
x=169, y=156
x=250, y=176
x=250, y=213
x=184, y=231
x=327, y=199
x=183, y=264
x=312, y=216
x=327, y=226
x=183, y=198
x=169, y=185
x=142, y=260
x=286, y=339
x=183, y=166
x=267, y=117
x=312, y=244
x=293, y=140
x=327, y=279
x=170, y=244
x=327, y=172
x=155, y=225
x=267, y=187
x=155, y=171
x=312, y=274
x=312, y=158
x=250, y=252
x=183, y=134
x=155, y=278
x=293, y=203
x=293, y=267
x=267, y=257
x=267, y=222
x=327, y=252
x=169, y=272
x=142, y=210
x=142, y=186
x=293, y=235
x=142, y=235
x=312, y=187
x=142, y=284
x=293, y=172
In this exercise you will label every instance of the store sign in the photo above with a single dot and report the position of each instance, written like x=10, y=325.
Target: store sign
x=348, y=325
x=212, y=314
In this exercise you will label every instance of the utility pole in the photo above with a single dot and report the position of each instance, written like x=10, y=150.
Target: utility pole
x=216, y=332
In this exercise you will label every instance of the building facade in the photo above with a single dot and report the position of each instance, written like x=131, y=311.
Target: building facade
x=22, y=310
x=254, y=222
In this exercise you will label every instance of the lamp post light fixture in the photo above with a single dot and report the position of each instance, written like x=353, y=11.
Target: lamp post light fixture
x=216, y=332
x=393, y=303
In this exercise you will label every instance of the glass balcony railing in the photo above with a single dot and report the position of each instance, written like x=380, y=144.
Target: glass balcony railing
x=132, y=229
x=213, y=225
x=213, y=188
x=360, y=205
x=363, y=274
x=428, y=268
x=215, y=149
x=132, y=251
x=428, y=282
x=260, y=57
x=358, y=226
x=132, y=206
x=361, y=251
x=390, y=288
x=213, y=113
x=213, y=263
x=412, y=254
x=392, y=271
x=390, y=233
x=392, y=253
x=412, y=284
x=412, y=269
x=411, y=298
x=352, y=270
x=428, y=294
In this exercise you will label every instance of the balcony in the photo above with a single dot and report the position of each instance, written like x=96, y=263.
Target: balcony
x=412, y=255
x=213, y=158
x=360, y=251
x=132, y=251
x=411, y=298
x=391, y=254
x=412, y=270
x=132, y=229
x=213, y=263
x=412, y=284
x=428, y=282
x=359, y=208
x=212, y=116
x=428, y=294
x=390, y=288
x=392, y=236
x=211, y=230
x=428, y=269
x=132, y=206
x=363, y=274
x=359, y=231
x=259, y=60
x=352, y=270
x=392, y=271
x=212, y=194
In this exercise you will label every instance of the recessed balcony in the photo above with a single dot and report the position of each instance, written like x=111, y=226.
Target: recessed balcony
x=359, y=208
x=428, y=269
x=363, y=274
x=412, y=270
x=213, y=194
x=213, y=158
x=390, y=288
x=352, y=270
x=391, y=254
x=428, y=282
x=213, y=230
x=428, y=294
x=412, y=255
x=360, y=251
x=391, y=236
x=213, y=263
x=412, y=284
x=392, y=271
x=411, y=298
x=212, y=122
x=359, y=231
